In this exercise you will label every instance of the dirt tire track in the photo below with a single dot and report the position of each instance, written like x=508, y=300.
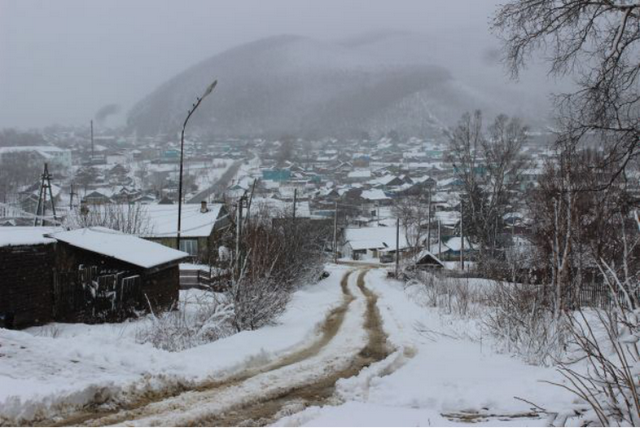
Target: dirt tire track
x=123, y=412
x=320, y=392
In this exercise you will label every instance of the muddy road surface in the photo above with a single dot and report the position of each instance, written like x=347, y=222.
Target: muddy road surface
x=351, y=338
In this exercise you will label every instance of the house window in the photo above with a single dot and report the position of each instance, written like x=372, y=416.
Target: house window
x=189, y=246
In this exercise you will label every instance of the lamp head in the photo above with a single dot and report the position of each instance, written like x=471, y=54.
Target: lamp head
x=210, y=88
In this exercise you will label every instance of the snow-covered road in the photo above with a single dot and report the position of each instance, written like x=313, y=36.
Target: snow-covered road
x=352, y=338
x=351, y=350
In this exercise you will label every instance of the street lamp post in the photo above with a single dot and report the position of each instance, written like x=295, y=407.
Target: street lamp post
x=184, y=125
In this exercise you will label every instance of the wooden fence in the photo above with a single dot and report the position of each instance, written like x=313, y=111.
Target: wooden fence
x=194, y=278
x=203, y=280
x=92, y=296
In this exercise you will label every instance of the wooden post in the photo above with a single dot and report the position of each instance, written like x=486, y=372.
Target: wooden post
x=439, y=239
x=91, y=163
x=429, y=222
x=397, y=246
x=238, y=234
x=335, y=234
x=461, y=235
x=71, y=198
x=295, y=197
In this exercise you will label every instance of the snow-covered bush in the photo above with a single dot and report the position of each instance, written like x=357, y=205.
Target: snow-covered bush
x=276, y=257
x=513, y=314
x=603, y=370
x=194, y=322
x=609, y=388
x=523, y=322
x=457, y=296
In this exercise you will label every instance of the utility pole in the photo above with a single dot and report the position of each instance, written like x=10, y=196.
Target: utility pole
x=91, y=163
x=238, y=234
x=429, y=222
x=397, y=246
x=71, y=195
x=45, y=187
x=461, y=235
x=439, y=240
x=295, y=197
x=335, y=234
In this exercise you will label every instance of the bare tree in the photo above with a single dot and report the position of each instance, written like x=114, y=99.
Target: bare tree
x=597, y=42
x=277, y=255
x=131, y=219
x=413, y=214
x=489, y=168
x=576, y=228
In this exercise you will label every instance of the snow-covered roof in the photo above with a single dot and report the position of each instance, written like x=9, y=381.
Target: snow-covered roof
x=13, y=236
x=448, y=218
x=163, y=220
x=455, y=244
x=384, y=180
x=42, y=149
x=276, y=207
x=360, y=173
x=120, y=246
x=365, y=238
x=374, y=195
x=426, y=253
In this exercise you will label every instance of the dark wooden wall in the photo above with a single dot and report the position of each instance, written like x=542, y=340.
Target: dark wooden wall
x=27, y=283
x=26, y=280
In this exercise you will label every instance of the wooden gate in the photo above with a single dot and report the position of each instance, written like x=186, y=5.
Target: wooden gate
x=89, y=295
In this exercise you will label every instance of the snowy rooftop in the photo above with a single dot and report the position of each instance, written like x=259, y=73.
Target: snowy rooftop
x=120, y=246
x=374, y=195
x=13, y=236
x=374, y=237
x=360, y=173
x=163, y=220
x=455, y=244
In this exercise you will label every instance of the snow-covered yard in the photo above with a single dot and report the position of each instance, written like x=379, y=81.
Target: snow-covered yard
x=438, y=371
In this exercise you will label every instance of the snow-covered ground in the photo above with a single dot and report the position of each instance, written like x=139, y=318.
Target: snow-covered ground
x=45, y=369
x=449, y=371
x=437, y=370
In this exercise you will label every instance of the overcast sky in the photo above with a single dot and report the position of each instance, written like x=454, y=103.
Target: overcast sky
x=60, y=61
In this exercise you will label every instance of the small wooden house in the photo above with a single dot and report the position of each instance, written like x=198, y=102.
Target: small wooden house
x=127, y=272
x=83, y=275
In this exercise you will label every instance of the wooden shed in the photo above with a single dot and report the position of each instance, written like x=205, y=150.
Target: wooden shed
x=104, y=275
x=27, y=262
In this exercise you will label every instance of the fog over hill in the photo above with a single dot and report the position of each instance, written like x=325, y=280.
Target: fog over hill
x=414, y=84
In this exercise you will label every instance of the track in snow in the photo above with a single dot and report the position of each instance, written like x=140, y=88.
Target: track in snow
x=352, y=338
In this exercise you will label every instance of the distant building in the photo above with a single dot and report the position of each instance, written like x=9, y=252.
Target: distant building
x=276, y=174
x=55, y=156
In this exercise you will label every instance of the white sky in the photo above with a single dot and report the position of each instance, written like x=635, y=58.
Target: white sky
x=60, y=61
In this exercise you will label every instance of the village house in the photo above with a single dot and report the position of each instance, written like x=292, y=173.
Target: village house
x=201, y=226
x=371, y=242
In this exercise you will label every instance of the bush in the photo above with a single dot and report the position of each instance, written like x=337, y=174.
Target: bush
x=276, y=257
x=203, y=320
x=522, y=321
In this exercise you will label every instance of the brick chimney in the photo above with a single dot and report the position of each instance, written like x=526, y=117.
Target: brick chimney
x=203, y=207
